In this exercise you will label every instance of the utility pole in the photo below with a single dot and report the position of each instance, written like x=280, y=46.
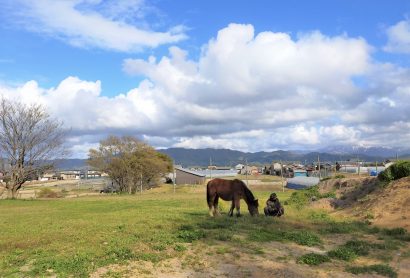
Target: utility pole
x=246, y=170
x=318, y=167
x=281, y=176
x=173, y=176
x=210, y=168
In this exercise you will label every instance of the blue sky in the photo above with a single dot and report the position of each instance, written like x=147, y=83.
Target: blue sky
x=26, y=55
x=174, y=72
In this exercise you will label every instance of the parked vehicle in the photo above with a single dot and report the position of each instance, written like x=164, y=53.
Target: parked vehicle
x=109, y=189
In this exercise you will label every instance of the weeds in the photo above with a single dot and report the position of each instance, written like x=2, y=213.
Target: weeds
x=300, y=237
x=179, y=247
x=48, y=193
x=313, y=259
x=319, y=216
x=119, y=253
x=345, y=227
x=343, y=253
x=190, y=236
x=359, y=247
x=301, y=198
x=397, y=233
x=380, y=269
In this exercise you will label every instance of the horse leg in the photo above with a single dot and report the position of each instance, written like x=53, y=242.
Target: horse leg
x=216, y=209
x=230, y=213
x=211, y=205
x=238, y=207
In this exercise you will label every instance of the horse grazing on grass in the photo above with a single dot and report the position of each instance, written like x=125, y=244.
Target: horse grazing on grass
x=230, y=190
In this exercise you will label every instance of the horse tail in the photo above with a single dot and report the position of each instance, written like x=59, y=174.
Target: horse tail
x=208, y=196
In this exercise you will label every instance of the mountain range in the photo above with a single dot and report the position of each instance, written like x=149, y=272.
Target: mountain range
x=227, y=157
x=387, y=152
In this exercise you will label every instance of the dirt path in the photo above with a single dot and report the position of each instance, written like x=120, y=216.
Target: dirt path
x=268, y=260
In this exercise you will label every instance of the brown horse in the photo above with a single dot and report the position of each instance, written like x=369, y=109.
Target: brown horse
x=230, y=190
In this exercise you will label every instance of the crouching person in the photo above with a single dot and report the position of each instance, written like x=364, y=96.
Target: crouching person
x=273, y=206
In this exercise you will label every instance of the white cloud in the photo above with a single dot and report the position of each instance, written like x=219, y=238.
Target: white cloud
x=85, y=23
x=246, y=91
x=399, y=37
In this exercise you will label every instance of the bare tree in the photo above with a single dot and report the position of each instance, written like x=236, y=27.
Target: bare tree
x=129, y=162
x=29, y=138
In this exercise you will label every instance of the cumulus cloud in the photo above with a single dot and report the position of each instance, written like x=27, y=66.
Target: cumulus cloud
x=246, y=91
x=399, y=37
x=90, y=23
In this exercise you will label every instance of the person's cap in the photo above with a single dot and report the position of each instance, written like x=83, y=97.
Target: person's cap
x=273, y=195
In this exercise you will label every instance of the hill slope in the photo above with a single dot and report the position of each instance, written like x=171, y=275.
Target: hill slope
x=366, y=199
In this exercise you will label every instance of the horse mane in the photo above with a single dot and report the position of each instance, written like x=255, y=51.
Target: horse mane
x=248, y=194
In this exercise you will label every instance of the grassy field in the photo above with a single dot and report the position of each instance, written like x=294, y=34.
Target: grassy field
x=161, y=232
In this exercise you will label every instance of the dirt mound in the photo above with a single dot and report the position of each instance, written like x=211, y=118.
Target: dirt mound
x=388, y=206
x=367, y=199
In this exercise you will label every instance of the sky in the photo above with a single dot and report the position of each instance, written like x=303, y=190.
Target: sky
x=238, y=74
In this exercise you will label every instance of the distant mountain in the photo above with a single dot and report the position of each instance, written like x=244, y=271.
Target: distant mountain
x=226, y=157
x=70, y=164
x=386, y=152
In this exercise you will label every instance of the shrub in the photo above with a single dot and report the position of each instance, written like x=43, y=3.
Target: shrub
x=340, y=176
x=313, y=259
x=396, y=171
x=380, y=269
x=48, y=193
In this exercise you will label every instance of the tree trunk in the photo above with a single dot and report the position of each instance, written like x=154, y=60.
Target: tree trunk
x=14, y=192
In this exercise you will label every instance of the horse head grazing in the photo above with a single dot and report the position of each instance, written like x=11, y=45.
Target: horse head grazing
x=253, y=207
x=250, y=200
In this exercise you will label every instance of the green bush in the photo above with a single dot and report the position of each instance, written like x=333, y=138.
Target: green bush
x=396, y=171
x=313, y=259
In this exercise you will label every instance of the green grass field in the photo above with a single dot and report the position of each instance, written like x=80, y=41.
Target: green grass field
x=75, y=237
